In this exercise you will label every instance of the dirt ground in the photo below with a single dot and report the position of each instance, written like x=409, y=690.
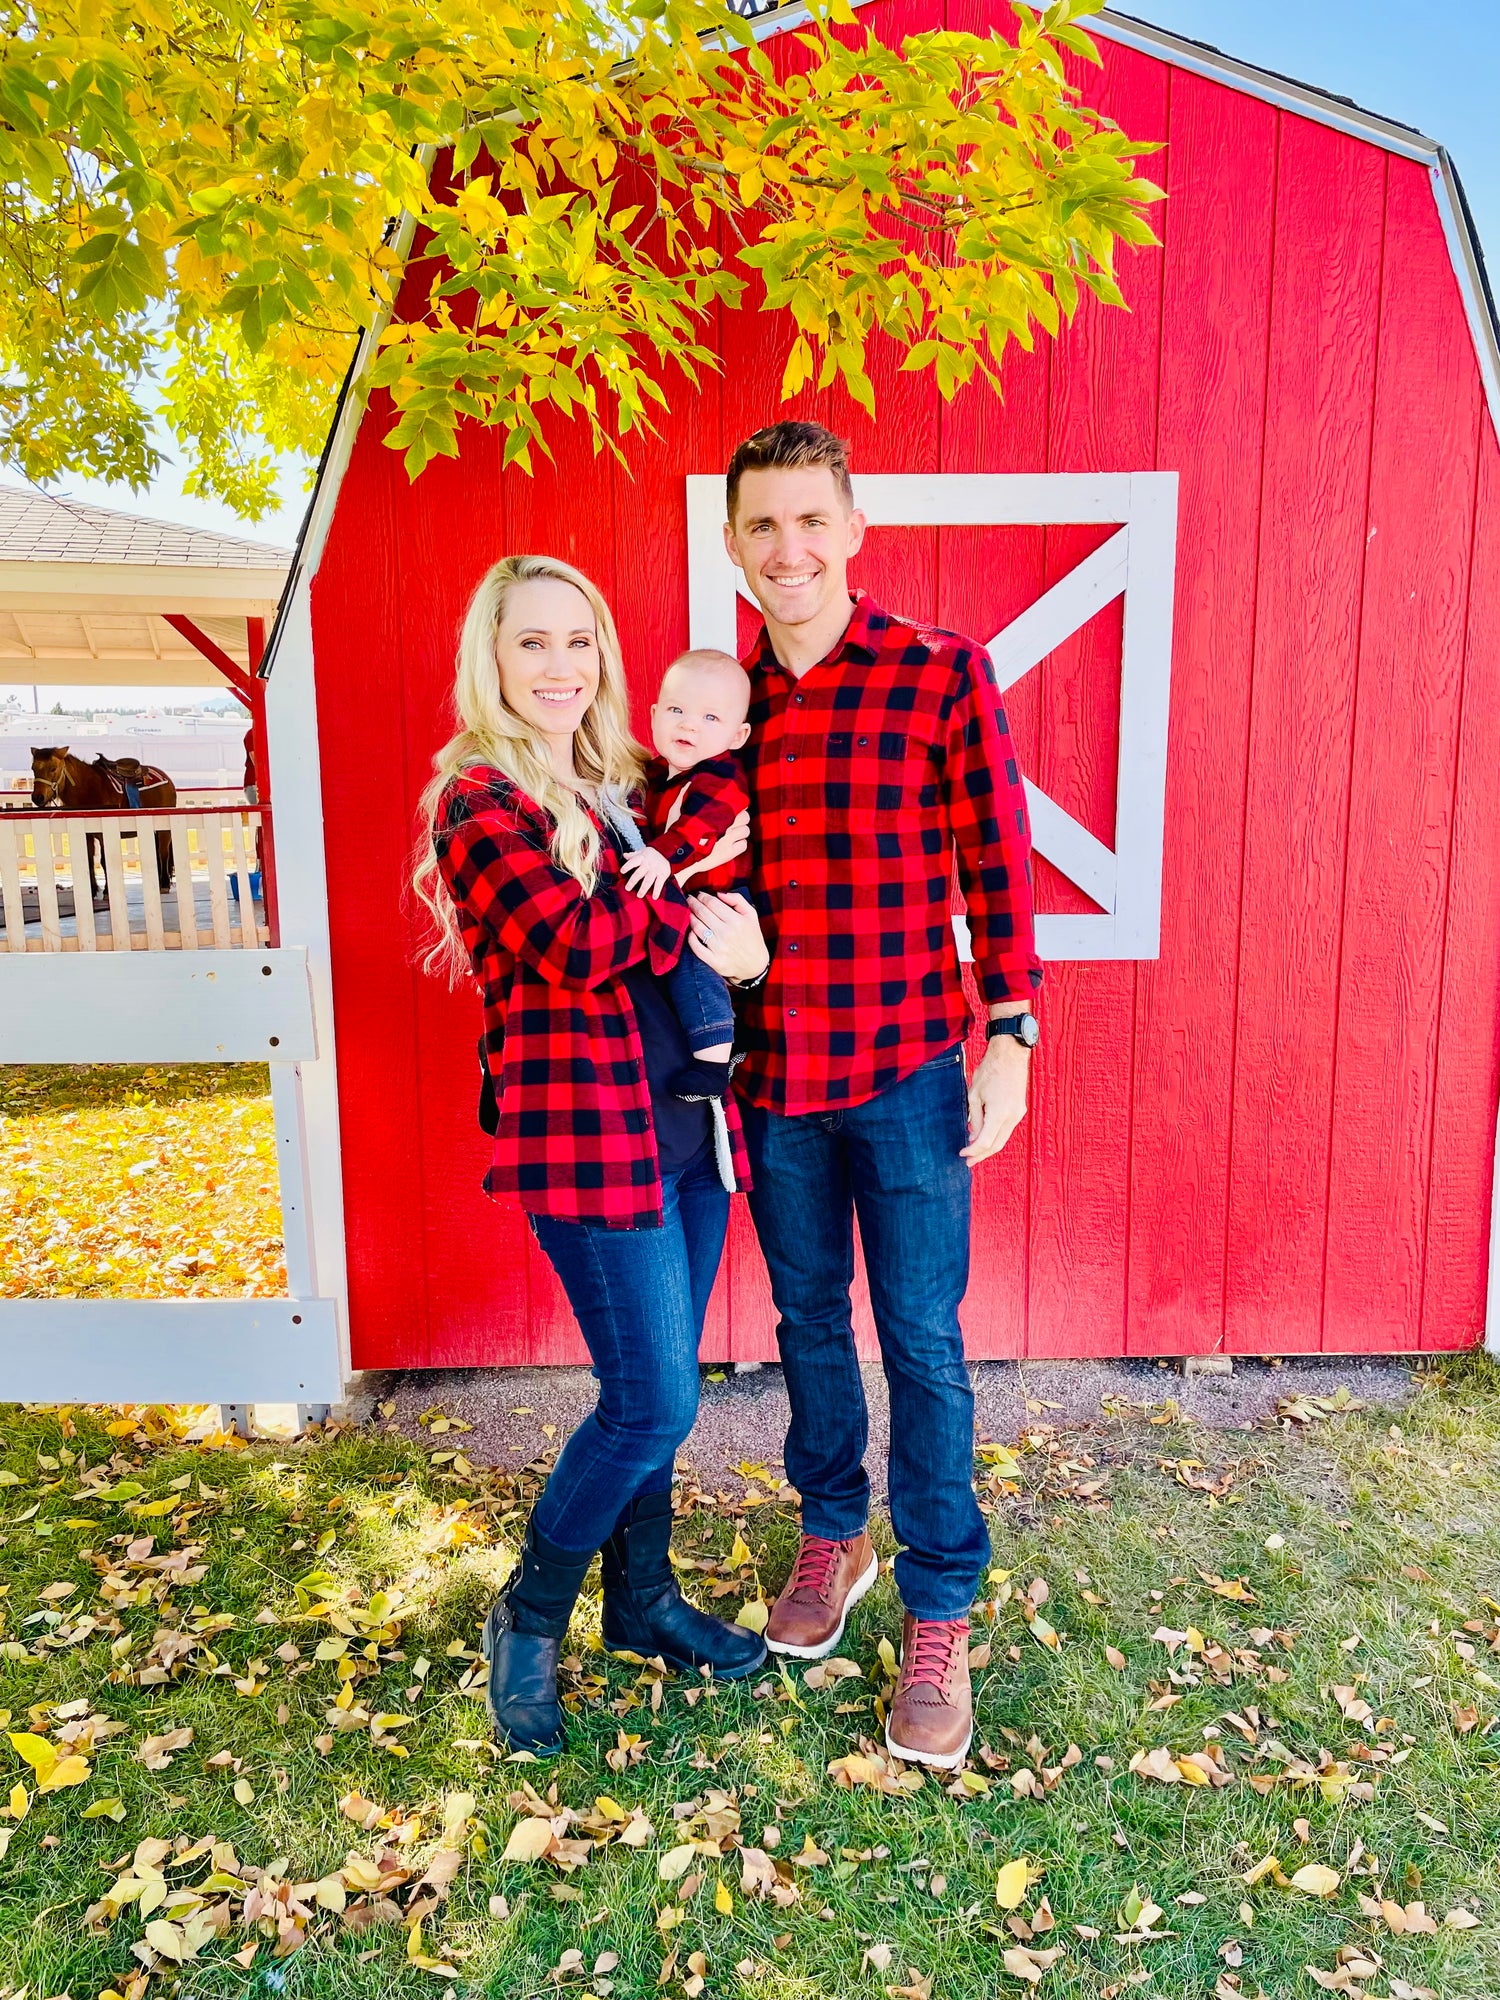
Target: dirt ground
x=742, y=1418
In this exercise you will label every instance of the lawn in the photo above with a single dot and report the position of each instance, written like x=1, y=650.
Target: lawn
x=249, y=1754
x=155, y=1182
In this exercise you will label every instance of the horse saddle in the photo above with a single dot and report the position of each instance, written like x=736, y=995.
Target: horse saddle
x=132, y=775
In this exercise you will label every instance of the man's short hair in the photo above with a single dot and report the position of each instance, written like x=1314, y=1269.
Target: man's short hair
x=792, y=445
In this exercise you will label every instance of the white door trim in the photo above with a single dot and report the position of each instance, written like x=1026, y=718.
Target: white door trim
x=1137, y=564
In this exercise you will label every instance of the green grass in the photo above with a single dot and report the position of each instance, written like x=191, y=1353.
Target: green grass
x=1388, y=1540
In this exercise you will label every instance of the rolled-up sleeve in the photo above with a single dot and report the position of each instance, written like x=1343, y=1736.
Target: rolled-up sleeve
x=986, y=806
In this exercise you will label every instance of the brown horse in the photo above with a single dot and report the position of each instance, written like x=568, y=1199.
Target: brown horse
x=64, y=783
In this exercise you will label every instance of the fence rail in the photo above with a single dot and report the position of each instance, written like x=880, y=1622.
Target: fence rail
x=211, y=902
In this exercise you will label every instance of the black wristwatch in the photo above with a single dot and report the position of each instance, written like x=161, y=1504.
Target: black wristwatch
x=1024, y=1027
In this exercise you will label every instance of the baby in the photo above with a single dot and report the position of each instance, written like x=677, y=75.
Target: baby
x=694, y=790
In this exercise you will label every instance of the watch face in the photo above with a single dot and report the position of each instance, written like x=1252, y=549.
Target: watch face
x=1030, y=1030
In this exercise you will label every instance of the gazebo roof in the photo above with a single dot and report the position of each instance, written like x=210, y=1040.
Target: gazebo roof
x=36, y=527
x=85, y=592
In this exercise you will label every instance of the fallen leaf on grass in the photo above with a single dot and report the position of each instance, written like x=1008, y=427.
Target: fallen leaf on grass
x=157, y=1752
x=54, y=1772
x=530, y=1839
x=1023, y=1963
x=824, y=1672
x=1012, y=1882
x=1316, y=1880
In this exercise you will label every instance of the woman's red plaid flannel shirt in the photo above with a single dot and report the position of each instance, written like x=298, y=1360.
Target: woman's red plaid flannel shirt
x=576, y=1138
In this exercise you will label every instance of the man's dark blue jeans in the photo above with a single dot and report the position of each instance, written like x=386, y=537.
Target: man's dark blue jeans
x=640, y=1296
x=894, y=1162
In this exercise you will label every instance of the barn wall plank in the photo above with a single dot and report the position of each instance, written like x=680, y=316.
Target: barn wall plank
x=1103, y=418
x=1468, y=1050
x=1422, y=476
x=358, y=614
x=1320, y=399
x=1215, y=324
x=987, y=577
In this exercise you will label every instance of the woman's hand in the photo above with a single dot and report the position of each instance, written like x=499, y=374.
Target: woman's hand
x=729, y=846
x=726, y=936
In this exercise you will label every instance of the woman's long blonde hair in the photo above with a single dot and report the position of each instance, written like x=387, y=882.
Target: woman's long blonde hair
x=605, y=753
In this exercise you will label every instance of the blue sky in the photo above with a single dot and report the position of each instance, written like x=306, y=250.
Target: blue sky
x=1436, y=67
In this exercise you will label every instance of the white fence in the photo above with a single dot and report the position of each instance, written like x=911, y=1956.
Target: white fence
x=211, y=904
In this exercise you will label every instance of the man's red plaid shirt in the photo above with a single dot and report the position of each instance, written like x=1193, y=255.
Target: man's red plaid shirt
x=576, y=1138
x=868, y=776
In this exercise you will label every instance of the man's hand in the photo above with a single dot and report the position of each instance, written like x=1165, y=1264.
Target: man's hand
x=646, y=871
x=726, y=936
x=997, y=1098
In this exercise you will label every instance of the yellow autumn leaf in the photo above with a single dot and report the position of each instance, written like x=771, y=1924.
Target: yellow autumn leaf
x=65, y=1772
x=1192, y=1774
x=37, y=1751
x=20, y=1802
x=1012, y=1883
x=115, y=1809
x=740, y=1553
x=723, y=1900
x=672, y=1865
x=529, y=1840
x=1316, y=1880
x=755, y=1615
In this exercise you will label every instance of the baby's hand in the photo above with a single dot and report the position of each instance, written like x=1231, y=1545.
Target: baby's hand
x=646, y=872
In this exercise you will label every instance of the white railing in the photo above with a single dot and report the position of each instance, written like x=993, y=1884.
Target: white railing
x=211, y=905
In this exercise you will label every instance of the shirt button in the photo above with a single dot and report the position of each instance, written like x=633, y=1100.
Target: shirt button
x=798, y=699
x=792, y=1013
x=791, y=756
x=791, y=819
x=792, y=882
x=791, y=947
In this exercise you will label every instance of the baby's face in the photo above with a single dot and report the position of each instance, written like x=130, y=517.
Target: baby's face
x=699, y=714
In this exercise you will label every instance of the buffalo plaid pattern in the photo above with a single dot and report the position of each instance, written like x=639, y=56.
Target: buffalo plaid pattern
x=867, y=777
x=713, y=795
x=575, y=1138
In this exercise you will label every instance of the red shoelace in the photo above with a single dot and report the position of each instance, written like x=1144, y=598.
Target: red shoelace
x=816, y=1562
x=929, y=1657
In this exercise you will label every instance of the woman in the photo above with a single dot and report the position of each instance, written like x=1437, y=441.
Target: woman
x=520, y=869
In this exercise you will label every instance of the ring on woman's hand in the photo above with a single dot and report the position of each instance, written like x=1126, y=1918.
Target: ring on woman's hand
x=708, y=930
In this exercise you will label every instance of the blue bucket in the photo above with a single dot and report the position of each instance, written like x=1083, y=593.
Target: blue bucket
x=234, y=886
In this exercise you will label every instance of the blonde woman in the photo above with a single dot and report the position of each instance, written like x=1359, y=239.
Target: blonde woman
x=519, y=866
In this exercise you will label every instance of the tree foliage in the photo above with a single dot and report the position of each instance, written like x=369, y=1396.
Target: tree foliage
x=203, y=201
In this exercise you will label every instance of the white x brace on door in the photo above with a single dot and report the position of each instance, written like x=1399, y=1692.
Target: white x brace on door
x=1137, y=563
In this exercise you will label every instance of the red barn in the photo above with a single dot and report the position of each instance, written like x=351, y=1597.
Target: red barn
x=1238, y=550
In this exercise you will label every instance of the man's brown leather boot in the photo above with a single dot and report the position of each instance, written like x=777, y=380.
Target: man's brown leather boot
x=827, y=1580
x=932, y=1717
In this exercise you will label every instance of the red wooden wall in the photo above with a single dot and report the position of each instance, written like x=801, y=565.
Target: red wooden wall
x=1278, y=1136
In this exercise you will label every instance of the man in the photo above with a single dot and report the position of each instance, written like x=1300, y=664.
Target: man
x=878, y=752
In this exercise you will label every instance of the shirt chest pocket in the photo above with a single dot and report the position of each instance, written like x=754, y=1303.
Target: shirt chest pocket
x=879, y=772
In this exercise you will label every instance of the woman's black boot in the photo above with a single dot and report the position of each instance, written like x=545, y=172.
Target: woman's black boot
x=645, y=1612
x=523, y=1637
